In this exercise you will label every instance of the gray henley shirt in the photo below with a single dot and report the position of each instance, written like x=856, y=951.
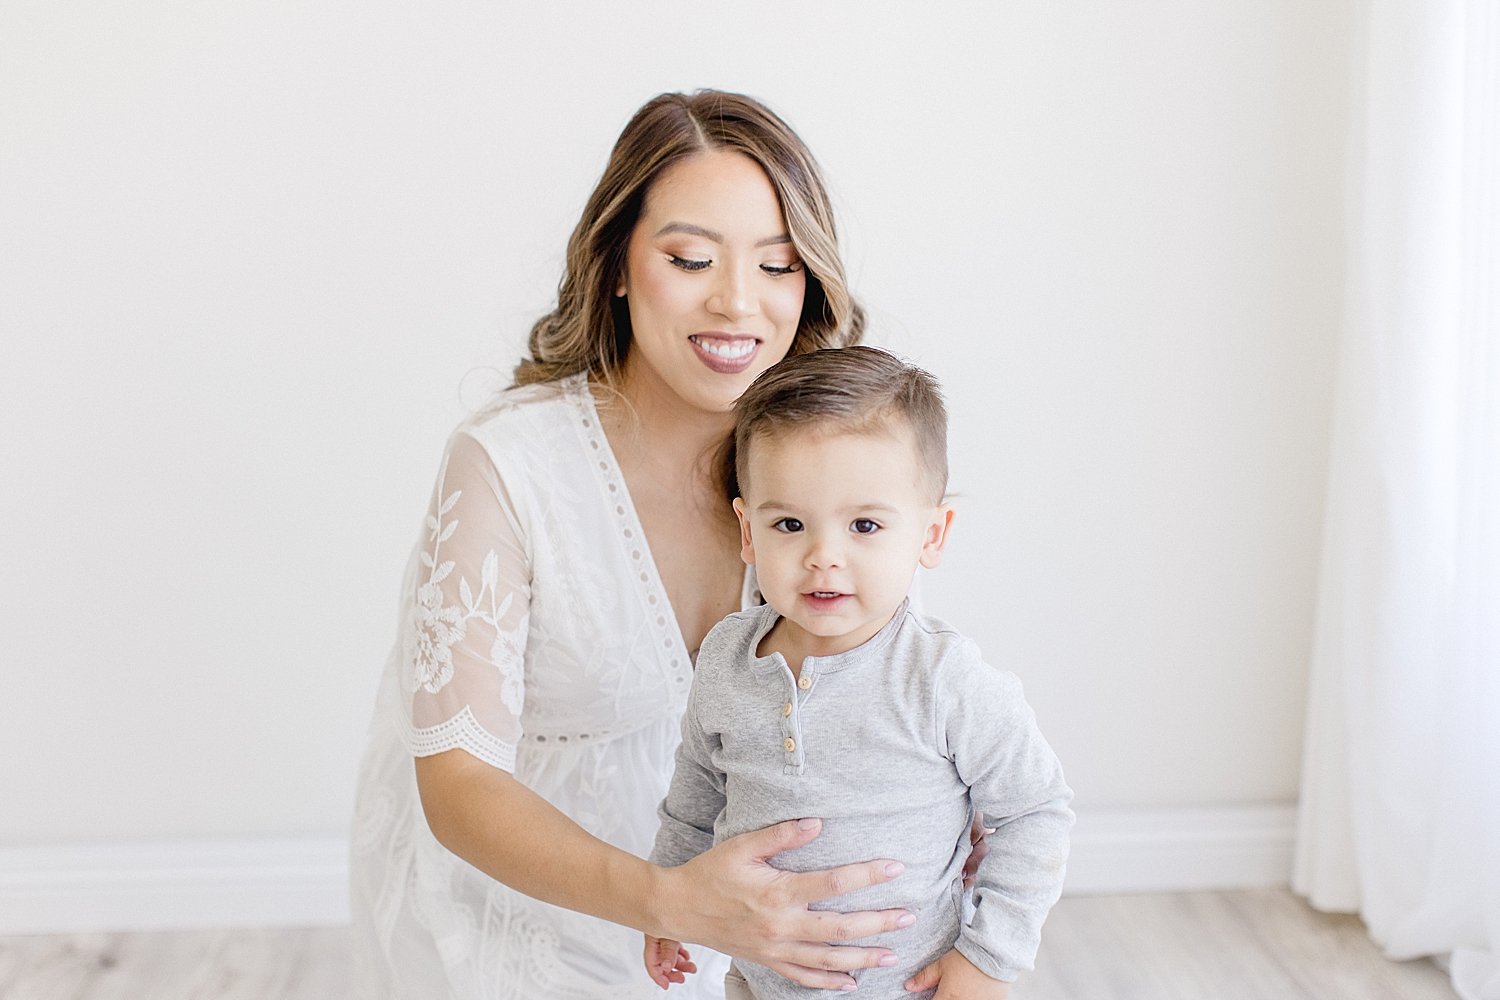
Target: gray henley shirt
x=891, y=744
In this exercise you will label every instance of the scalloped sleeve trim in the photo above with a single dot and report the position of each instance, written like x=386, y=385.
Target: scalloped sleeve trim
x=463, y=732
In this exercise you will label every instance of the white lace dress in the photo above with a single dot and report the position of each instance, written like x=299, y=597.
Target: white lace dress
x=537, y=636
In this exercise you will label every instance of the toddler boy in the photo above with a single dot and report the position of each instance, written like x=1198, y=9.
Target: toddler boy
x=836, y=700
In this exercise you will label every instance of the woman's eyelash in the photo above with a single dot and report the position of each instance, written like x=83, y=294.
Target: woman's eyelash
x=689, y=264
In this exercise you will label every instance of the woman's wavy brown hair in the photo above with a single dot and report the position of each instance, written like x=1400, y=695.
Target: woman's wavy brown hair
x=590, y=328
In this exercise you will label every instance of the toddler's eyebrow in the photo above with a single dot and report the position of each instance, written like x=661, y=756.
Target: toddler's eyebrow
x=717, y=237
x=874, y=508
x=863, y=508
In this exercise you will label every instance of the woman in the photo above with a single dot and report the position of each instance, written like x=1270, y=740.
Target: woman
x=578, y=548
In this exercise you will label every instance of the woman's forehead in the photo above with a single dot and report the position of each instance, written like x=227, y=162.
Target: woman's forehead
x=719, y=193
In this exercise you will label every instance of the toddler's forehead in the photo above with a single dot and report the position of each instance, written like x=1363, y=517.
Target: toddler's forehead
x=787, y=441
x=792, y=448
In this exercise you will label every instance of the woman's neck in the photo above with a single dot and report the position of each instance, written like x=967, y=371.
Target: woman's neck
x=645, y=417
x=653, y=431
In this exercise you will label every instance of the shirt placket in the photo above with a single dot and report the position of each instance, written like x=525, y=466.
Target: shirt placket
x=798, y=690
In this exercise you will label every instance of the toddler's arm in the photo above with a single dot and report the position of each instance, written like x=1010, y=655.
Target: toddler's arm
x=1017, y=787
x=695, y=796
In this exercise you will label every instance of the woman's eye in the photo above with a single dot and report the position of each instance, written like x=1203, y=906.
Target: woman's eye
x=688, y=264
x=788, y=524
x=865, y=526
x=779, y=269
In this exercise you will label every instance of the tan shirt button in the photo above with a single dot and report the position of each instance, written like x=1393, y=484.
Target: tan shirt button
x=804, y=682
x=790, y=744
x=786, y=709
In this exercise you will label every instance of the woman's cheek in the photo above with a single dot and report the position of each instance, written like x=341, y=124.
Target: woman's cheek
x=791, y=302
x=784, y=310
x=666, y=292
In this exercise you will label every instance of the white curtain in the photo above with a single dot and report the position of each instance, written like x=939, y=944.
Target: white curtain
x=1400, y=813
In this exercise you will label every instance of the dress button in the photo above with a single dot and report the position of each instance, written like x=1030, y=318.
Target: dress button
x=786, y=709
x=790, y=744
x=804, y=682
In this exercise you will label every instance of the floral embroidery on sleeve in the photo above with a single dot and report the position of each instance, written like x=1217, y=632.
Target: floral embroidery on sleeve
x=437, y=626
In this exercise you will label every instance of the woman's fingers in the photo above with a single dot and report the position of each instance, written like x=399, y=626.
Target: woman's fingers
x=836, y=928
x=809, y=887
x=837, y=958
x=761, y=844
x=817, y=979
x=740, y=903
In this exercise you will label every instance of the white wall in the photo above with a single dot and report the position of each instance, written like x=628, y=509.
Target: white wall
x=249, y=251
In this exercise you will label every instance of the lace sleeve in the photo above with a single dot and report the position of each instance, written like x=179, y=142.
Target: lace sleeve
x=465, y=637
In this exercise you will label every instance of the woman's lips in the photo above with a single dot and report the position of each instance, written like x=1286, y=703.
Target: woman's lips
x=725, y=354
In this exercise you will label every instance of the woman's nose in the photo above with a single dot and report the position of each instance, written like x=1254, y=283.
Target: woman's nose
x=731, y=296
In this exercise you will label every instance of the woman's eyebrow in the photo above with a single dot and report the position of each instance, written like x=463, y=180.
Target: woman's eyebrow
x=709, y=234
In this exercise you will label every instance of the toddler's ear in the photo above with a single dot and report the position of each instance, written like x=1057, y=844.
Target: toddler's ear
x=936, y=536
x=747, y=547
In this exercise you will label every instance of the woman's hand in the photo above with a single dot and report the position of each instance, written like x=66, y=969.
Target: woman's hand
x=732, y=900
x=728, y=898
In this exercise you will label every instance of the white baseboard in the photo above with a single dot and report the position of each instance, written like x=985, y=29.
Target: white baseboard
x=304, y=881
x=181, y=885
x=1181, y=850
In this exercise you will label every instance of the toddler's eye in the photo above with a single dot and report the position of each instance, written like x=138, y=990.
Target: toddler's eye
x=788, y=524
x=864, y=526
x=687, y=264
x=778, y=269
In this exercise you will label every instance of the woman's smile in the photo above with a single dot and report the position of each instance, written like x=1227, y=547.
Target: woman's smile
x=726, y=353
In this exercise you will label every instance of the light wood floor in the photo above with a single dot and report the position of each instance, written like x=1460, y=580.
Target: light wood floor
x=1261, y=945
x=1201, y=946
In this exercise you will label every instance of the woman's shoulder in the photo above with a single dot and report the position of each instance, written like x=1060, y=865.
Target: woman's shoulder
x=539, y=401
x=528, y=417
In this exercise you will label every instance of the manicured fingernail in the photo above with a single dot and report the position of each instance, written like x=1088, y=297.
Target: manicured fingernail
x=848, y=987
x=906, y=920
x=894, y=868
x=807, y=824
x=888, y=960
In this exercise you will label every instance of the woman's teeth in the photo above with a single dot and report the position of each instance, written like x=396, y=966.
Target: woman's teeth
x=731, y=349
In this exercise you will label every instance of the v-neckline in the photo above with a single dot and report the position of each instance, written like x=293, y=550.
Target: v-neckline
x=646, y=577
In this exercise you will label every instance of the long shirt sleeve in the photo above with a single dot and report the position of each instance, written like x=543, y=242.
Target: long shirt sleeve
x=695, y=798
x=1016, y=784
